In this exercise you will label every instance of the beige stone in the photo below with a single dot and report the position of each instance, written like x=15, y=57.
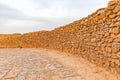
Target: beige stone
x=97, y=48
x=113, y=35
x=117, y=40
x=115, y=47
x=111, y=7
x=118, y=14
x=118, y=54
x=93, y=39
x=112, y=25
x=118, y=36
x=115, y=30
x=108, y=13
x=112, y=16
x=111, y=3
x=109, y=49
x=109, y=44
x=117, y=61
x=117, y=9
x=117, y=24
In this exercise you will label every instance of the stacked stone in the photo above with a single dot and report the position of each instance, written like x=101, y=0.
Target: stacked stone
x=35, y=39
x=96, y=38
x=10, y=40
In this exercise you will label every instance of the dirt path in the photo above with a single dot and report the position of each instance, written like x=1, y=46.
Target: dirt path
x=41, y=64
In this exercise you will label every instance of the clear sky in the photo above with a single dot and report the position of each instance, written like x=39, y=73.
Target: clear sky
x=20, y=16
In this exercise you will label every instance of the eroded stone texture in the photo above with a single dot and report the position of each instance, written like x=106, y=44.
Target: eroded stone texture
x=96, y=38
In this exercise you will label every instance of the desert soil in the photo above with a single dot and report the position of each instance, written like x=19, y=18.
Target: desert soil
x=43, y=64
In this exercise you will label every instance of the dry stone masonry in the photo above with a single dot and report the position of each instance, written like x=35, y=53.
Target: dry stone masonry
x=96, y=38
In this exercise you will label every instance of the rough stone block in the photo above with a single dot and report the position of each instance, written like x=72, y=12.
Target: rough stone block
x=117, y=9
x=115, y=47
x=109, y=49
x=115, y=30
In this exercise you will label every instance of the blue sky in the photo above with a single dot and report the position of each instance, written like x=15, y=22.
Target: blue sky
x=20, y=16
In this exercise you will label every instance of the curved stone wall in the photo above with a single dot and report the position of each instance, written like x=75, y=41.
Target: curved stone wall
x=96, y=38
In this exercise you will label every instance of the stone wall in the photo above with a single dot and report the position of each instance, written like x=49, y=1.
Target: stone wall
x=10, y=40
x=96, y=38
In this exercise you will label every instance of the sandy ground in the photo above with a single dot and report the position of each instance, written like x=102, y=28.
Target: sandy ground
x=43, y=64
